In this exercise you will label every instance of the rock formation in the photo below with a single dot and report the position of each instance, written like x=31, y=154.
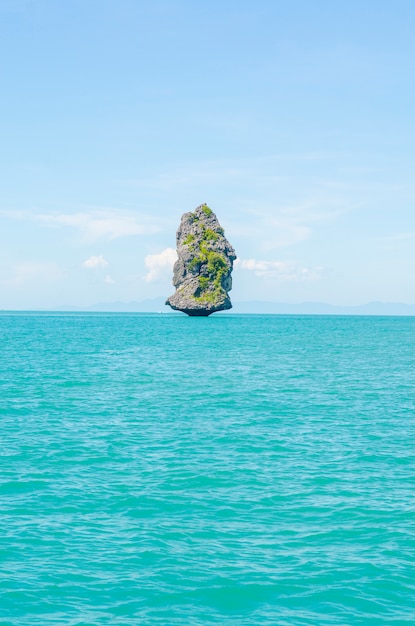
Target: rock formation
x=202, y=272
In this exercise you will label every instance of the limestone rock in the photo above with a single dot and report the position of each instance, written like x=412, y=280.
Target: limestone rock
x=202, y=272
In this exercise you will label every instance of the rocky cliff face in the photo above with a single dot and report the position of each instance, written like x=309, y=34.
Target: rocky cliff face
x=202, y=272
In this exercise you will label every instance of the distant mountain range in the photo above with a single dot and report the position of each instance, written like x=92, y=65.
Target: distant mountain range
x=156, y=305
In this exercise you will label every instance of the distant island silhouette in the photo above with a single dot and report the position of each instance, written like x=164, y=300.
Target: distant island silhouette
x=157, y=305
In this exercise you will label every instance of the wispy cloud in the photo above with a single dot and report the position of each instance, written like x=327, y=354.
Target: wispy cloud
x=400, y=236
x=14, y=214
x=31, y=271
x=286, y=271
x=94, y=225
x=95, y=262
x=108, y=280
x=281, y=226
x=159, y=265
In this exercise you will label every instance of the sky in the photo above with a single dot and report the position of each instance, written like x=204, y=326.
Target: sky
x=294, y=121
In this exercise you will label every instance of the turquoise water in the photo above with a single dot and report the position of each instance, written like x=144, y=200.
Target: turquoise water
x=236, y=470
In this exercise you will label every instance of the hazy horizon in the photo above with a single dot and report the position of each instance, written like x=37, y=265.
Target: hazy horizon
x=157, y=305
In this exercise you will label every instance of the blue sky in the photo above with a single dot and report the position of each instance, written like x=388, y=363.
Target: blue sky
x=293, y=120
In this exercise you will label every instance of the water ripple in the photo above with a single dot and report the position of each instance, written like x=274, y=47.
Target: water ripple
x=233, y=470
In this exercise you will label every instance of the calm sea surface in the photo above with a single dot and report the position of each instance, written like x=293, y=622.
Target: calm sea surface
x=233, y=470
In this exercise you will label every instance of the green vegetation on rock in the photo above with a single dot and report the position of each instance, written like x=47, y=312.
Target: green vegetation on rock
x=216, y=263
x=210, y=235
x=195, y=262
x=203, y=283
x=213, y=297
x=189, y=239
x=206, y=210
x=211, y=286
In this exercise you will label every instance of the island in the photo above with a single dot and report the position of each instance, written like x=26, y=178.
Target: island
x=202, y=272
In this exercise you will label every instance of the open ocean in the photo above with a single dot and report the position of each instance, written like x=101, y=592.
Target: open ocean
x=234, y=470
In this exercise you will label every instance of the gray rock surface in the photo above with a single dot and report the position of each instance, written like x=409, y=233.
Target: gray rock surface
x=202, y=272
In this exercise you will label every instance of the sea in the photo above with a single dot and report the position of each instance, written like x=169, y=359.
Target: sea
x=238, y=470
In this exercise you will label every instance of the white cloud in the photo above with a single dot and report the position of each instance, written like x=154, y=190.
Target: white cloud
x=287, y=271
x=159, y=264
x=95, y=262
x=96, y=225
x=30, y=271
x=109, y=280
